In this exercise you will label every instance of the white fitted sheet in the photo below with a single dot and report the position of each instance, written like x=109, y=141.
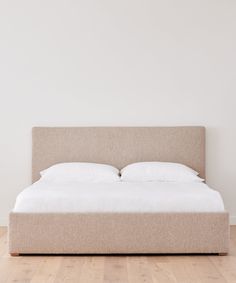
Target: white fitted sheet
x=119, y=197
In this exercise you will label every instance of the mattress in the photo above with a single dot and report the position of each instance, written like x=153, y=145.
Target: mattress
x=44, y=197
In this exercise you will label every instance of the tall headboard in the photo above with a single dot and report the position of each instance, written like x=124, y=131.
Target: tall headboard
x=118, y=146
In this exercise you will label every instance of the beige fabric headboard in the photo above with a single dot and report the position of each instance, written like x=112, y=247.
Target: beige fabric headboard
x=118, y=146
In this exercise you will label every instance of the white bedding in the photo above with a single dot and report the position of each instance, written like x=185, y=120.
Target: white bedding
x=119, y=197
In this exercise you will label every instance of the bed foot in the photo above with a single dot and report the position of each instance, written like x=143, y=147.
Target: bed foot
x=222, y=254
x=14, y=254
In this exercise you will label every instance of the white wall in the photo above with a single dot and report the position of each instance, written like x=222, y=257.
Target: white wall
x=119, y=63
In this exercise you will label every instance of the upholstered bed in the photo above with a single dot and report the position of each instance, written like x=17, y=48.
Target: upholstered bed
x=141, y=230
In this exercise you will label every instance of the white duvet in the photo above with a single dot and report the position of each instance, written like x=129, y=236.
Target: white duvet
x=119, y=197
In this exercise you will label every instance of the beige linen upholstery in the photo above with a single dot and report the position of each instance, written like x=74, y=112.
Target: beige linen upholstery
x=118, y=146
x=118, y=232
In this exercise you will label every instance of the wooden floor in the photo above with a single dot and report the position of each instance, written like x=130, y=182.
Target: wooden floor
x=119, y=269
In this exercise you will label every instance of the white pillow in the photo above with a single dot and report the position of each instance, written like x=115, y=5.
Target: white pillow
x=80, y=172
x=159, y=171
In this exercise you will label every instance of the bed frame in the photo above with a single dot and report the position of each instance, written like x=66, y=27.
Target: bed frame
x=103, y=233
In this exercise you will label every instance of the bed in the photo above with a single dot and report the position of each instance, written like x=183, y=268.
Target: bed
x=135, y=218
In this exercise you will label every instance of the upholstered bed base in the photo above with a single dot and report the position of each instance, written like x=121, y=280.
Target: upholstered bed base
x=93, y=233
x=118, y=232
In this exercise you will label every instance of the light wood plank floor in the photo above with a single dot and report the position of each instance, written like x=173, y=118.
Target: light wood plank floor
x=119, y=269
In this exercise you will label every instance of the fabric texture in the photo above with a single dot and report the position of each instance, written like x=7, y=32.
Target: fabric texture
x=141, y=197
x=118, y=146
x=119, y=233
